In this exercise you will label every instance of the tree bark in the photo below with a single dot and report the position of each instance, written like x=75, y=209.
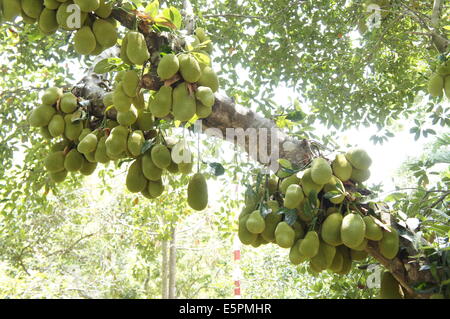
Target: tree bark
x=173, y=264
x=164, y=270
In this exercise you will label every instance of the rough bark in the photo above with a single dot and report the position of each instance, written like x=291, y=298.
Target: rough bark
x=164, y=270
x=226, y=114
x=173, y=264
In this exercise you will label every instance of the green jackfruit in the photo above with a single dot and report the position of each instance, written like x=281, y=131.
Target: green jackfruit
x=360, y=175
x=121, y=101
x=100, y=152
x=294, y=196
x=255, y=223
x=185, y=168
x=72, y=130
x=88, y=168
x=201, y=35
x=139, y=100
x=184, y=106
x=56, y=125
x=47, y=21
x=205, y=95
x=88, y=144
x=353, y=230
x=284, y=235
x=52, y=4
x=54, y=162
x=331, y=186
x=373, y=231
x=32, y=8
x=137, y=51
x=288, y=181
x=88, y=5
x=58, y=177
x=145, y=120
x=320, y=171
x=197, y=192
x=362, y=246
x=246, y=237
x=161, y=156
x=358, y=255
x=447, y=87
x=294, y=254
x=104, y=9
x=338, y=261
x=123, y=51
x=436, y=85
x=136, y=180
x=271, y=222
x=389, y=287
x=155, y=189
x=68, y=103
x=45, y=132
x=129, y=117
x=51, y=95
x=105, y=33
x=168, y=66
x=161, y=104
x=324, y=257
x=342, y=168
x=135, y=142
x=117, y=141
x=209, y=78
x=310, y=245
x=150, y=170
x=299, y=230
x=202, y=111
x=26, y=19
x=346, y=260
x=189, y=68
x=130, y=83
x=11, y=9
x=67, y=17
x=85, y=132
x=73, y=161
x=389, y=244
x=331, y=229
x=359, y=158
x=41, y=116
x=308, y=184
x=84, y=41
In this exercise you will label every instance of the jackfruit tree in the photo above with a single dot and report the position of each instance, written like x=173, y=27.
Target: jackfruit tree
x=151, y=68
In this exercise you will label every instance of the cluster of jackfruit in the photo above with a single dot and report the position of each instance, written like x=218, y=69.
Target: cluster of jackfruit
x=96, y=30
x=439, y=82
x=324, y=231
x=194, y=94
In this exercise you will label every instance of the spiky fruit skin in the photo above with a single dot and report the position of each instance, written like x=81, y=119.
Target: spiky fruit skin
x=320, y=171
x=32, y=8
x=271, y=222
x=436, y=85
x=246, y=237
x=54, y=162
x=209, y=79
x=255, y=223
x=168, y=66
x=308, y=184
x=353, y=230
x=150, y=170
x=58, y=177
x=294, y=196
x=105, y=33
x=310, y=245
x=342, y=168
x=130, y=83
x=136, y=182
x=87, y=5
x=88, y=168
x=73, y=161
x=88, y=144
x=184, y=105
x=390, y=288
x=295, y=257
x=56, y=125
x=284, y=235
x=68, y=103
x=137, y=51
x=360, y=175
x=359, y=158
x=161, y=156
x=161, y=105
x=389, y=244
x=198, y=192
x=205, y=95
x=104, y=9
x=189, y=68
x=331, y=229
x=47, y=21
x=84, y=41
x=11, y=9
x=291, y=180
x=373, y=231
x=324, y=257
x=41, y=116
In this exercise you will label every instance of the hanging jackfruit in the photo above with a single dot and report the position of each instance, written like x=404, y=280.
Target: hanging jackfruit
x=353, y=230
x=184, y=106
x=189, y=68
x=284, y=235
x=84, y=40
x=137, y=51
x=168, y=66
x=255, y=223
x=161, y=104
x=320, y=171
x=342, y=169
x=198, y=192
x=105, y=33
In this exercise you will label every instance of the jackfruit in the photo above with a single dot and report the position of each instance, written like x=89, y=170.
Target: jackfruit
x=436, y=85
x=447, y=87
x=360, y=175
x=168, y=66
x=359, y=158
x=358, y=255
x=54, y=162
x=68, y=103
x=189, y=68
x=87, y=5
x=129, y=117
x=284, y=235
x=67, y=17
x=346, y=260
x=331, y=229
x=362, y=246
x=294, y=196
x=255, y=223
x=161, y=104
x=58, y=177
x=51, y=96
x=353, y=230
x=201, y=35
x=137, y=51
x=205, y=95
x=271, y=223
x=185, y=168
x=84, y=41
x=116, y=143
x=121, y=101
x=32, y=8
x=389, y=244
x=136, y=181
x=288, y=181
x=105, y=33
x=135, y=142
x=155, y=189
x=11, y=9
x=246, y=237
x=373, y=231
x=45, y=132
x=184, y=106
x=123, y=50
x=41, y=116
x=337, y=263
x=294, y=254
x=72, y=130
x=209, y=78
x=26, y=19
x=173, y=168
x=144, y=120
x=139, y=101
x=56, y=125
x=320, y=171
x=324, y=257
x=342, y=169
x=86, y=131
x=310, y=245
x=100, y=152
x=88, y=144
x=47, y=21
x=331, y=187
x=197, y=192
x=88, y=168
x=150, y=170
x=389, y=287
x=73, y=161
x=202, y=111
x=161, y=156
x=130, y=83
x=308, y=184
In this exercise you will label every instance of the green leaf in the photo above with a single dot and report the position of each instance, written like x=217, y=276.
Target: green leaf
x=218, y=169
x=173, y=15
x=108, y=65
x=152, y=8
x=202, y=58
x=147, y=145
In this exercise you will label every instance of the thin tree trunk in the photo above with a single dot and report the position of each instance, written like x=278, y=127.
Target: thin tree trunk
x=172, y=265
x=164, y=270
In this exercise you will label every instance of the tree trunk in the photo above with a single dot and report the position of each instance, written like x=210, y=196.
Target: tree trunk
x=173, y=265
x=164, y=270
